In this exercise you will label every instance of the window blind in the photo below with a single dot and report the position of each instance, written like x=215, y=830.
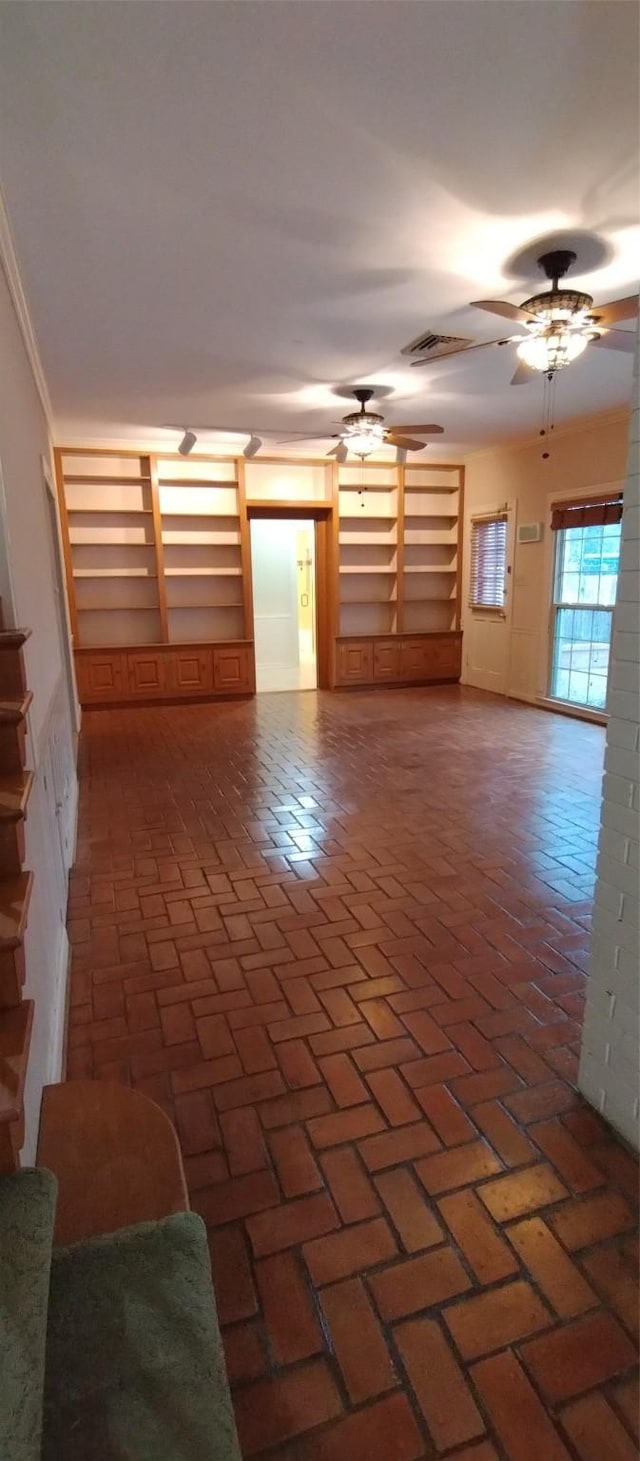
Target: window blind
x=595, y=512
x=488, y=562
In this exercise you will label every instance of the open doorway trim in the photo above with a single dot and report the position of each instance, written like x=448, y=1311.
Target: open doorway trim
x=322, y=515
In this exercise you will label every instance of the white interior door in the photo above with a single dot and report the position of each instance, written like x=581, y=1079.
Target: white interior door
x=487, y=632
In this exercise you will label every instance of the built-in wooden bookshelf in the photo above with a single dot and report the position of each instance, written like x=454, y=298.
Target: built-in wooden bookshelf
x=399, y=555
x=158, y=559
x=369, y=514
x=201, y=549
x=112, y=550
x=432, y=529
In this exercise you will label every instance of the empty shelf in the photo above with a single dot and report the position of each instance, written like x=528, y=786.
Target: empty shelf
x=114, y=572
x=202, y=572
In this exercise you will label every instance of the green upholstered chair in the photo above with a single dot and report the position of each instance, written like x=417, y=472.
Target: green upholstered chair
x=110, y=1349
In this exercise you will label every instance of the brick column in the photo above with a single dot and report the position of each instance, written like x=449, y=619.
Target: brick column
x=609, y=1064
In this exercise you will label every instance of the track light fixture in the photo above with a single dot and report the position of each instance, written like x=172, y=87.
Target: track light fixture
x=187, y=444
x=253, y=447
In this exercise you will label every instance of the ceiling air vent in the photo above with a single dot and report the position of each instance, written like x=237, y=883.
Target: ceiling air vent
x=431, y=344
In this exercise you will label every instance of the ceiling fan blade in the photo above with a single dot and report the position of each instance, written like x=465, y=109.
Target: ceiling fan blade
x=319, y=436
x=617, y=309
x=523, y=374
x=404, y=442
x=616, y=340
x=340, y=451
x=422, y=430
x=464, y=350
x=502, y=307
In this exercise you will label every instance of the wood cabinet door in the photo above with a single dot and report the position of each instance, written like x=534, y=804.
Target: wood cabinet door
x=146, y=673
x=414, y=659
x=445, y=658
x=191, y=671
x=386, y=659
x=101, y=677
x=232, y=670
x=354, y=662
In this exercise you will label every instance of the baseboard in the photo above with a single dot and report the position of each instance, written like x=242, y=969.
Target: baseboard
x=57, y=1046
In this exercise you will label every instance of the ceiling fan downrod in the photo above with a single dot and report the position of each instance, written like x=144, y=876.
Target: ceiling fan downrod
x=556, y=264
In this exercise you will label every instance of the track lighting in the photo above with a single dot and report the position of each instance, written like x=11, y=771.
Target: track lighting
x=253, y=447
x=187, y=444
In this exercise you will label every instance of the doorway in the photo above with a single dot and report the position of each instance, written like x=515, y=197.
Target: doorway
x=283, y=563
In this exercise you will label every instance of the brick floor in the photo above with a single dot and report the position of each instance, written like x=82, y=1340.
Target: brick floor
x=342, y=939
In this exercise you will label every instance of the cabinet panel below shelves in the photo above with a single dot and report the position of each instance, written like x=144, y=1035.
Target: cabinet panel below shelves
x=232, y=669
x=190, y=671
x=400, y=659
x=101, y=676
x=354, y=662
x=164, y=672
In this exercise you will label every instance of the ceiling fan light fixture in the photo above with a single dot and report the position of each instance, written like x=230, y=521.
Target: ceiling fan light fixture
x=551, y=349
x=362, y=441
x=364, y=432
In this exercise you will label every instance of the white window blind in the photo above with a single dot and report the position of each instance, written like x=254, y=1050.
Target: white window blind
x=488, y=562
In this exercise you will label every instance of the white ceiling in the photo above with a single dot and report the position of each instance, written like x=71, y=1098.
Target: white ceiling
x=224, y=210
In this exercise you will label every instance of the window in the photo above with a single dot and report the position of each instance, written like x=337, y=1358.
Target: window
x=585, y=580
x=488, y=561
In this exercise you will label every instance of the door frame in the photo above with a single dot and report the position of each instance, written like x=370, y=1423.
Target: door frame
x=474, y=616
x=321, y=513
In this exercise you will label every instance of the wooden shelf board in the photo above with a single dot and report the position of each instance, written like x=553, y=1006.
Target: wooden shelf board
x=117, y=608
x=108, y=543
x=188, y=482
x=427, y=568
x=198, y=608
x=156, y=645
x=350, y=568
x=366, y=540
x=112, y=511
x=429, y=487
x=201, y=516
x=374, y=517
x=410, y=634
x=113, y=573
x=202, y=572
x=351, y=603
x=73, y=480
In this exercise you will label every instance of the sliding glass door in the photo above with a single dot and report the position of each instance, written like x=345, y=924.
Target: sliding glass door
x=586, y=575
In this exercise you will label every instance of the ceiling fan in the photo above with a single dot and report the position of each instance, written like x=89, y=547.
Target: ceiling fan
x=560, y=323
x=364, y=431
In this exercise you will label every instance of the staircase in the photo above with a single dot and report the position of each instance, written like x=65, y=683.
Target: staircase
x=16, y=1013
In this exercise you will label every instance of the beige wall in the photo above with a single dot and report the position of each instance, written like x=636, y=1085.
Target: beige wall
x=27, y=586
x=509, y=654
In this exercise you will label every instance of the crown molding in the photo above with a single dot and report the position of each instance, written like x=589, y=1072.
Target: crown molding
x=9, y=261
x=577, y=426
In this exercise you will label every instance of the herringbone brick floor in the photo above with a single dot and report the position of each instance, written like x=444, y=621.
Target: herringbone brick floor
x=342, y=939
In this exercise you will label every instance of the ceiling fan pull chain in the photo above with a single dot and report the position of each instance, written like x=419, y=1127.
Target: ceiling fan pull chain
x=548, y=409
